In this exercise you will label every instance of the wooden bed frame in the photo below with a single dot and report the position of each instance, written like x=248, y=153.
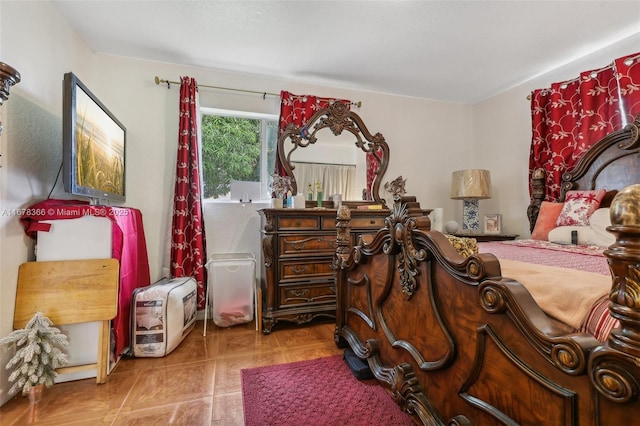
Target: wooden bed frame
x=458, y=344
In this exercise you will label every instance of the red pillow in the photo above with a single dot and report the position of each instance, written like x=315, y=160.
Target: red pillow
x=546, y=221
x=578, y=206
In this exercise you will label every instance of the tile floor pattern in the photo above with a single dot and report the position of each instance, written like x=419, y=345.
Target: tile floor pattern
x=197, y=384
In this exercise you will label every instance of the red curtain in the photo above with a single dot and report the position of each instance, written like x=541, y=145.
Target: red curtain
x=298, y=109
x=628, y=69
x=372, y=168
x=188, y=253
x=569, y=117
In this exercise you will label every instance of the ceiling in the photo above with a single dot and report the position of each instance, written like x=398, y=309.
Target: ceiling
x=449, y=50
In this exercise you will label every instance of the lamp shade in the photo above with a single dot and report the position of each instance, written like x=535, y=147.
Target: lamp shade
x=471, y=184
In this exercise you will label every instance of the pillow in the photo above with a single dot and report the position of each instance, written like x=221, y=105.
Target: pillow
x=562, y=234
x=595, y=234
x=578, y=206
x=599, y=321
x=464, y=246
x=598, y=223
x=546, y=220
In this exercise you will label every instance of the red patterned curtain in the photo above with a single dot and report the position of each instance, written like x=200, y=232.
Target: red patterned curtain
x=188, y=253
x=628, y=68
x=568, y=118
x=372, y=168
x=298, y=109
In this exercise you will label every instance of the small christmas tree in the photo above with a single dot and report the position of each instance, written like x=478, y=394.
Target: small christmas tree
x=38, y=354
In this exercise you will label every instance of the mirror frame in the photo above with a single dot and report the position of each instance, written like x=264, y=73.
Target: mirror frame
x=338, y=118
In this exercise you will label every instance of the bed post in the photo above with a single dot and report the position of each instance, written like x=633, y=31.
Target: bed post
x=537, y=196
x=615, y=367
x=343, y=240
x=341, y=262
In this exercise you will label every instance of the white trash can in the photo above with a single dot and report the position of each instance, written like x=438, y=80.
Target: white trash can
x=231, y=288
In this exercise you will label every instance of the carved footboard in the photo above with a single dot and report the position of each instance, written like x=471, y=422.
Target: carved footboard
x=456, y=343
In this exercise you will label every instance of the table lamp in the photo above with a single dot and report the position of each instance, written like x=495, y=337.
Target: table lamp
x=470, y=186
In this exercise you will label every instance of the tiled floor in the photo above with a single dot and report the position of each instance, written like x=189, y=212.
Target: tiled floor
x=197, y=384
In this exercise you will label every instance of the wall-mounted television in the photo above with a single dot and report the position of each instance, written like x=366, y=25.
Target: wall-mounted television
x=93, y=146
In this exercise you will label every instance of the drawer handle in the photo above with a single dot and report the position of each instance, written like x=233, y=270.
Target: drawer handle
x=299, y=269
x=298, y=245
x=298, y=223
x=372, y=222
x=299, y=293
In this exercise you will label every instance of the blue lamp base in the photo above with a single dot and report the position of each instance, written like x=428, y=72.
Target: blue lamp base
x=470, y=220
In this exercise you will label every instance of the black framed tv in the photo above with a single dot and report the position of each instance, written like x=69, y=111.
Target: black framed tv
x=93, y=145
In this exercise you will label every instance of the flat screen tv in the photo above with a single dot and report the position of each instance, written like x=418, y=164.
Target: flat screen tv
x=93, y=146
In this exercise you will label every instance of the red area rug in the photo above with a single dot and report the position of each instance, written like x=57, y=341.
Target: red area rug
x=320, y=392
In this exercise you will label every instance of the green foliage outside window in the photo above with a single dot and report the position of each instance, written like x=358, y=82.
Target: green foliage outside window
x=230, y=151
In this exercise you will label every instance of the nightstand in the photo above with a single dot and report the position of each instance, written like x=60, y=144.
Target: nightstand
x=486, y=237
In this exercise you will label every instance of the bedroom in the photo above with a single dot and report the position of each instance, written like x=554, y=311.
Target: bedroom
x=43, y=46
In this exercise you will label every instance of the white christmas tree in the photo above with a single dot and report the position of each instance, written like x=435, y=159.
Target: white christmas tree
x=38, y=354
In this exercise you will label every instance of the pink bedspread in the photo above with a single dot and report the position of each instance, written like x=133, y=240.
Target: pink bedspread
x=581, y=258
x=551, y=272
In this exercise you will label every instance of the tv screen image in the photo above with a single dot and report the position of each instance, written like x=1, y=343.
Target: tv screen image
x=93, y=145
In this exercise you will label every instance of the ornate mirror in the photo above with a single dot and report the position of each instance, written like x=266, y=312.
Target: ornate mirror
x=335, y=152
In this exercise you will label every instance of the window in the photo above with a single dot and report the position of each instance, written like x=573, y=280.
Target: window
x=237, y=146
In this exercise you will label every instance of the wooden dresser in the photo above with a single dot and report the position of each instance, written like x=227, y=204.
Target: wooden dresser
x=298, y=245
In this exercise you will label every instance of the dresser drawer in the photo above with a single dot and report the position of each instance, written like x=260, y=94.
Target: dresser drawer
x=305, y=295
x=367, y=222
x=307, y=269
x=298, y=223
x=329, y=223
x=296, y=245
x=356, y=223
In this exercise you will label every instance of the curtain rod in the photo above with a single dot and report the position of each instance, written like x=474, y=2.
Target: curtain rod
x=159, y=80
x=627, y=62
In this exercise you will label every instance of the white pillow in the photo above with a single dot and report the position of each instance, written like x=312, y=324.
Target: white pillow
x=598, y=223
x=562, y=234
x=594, y=234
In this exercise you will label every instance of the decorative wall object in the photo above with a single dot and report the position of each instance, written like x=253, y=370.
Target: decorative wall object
x=8, y=77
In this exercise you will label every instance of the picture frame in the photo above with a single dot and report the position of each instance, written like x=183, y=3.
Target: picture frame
x=493, y=224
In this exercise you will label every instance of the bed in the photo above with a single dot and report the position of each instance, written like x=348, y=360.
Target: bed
x=459, y=342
